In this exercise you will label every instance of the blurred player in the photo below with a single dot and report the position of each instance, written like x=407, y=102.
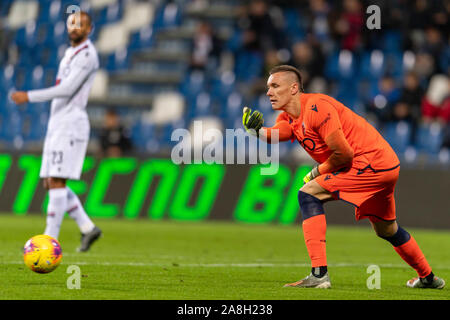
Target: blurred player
x=356, y=165
x=68, y=129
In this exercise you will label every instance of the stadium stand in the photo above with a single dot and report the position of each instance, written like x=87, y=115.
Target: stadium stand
x=167, y=63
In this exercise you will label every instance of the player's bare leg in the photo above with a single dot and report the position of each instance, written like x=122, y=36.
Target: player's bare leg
x=311, y=197
x=406, y=246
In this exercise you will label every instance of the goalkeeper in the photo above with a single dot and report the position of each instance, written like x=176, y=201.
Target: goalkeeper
x=355, y=164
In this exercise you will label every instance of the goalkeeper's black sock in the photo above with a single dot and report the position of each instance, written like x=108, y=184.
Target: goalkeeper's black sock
x=428, y=279
x=319, y=272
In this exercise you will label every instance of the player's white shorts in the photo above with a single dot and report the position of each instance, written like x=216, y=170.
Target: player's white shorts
x=63, y=156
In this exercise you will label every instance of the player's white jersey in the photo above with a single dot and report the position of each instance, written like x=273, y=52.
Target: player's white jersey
x=70, y=94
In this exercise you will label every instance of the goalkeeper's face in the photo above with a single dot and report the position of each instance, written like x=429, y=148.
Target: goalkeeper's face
x=281, y=89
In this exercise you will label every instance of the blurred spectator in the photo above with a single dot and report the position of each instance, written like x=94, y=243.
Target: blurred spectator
x=408, y=106
x=384, y=96
x=441, y=15
x=3, y=44
x=114, y=138
x=348, y=25
x=309, y=59
x=259, y=85
x=260, y=31
x=317, y=19
x=446, y=138
x=420, y=16
x=434, y=46
x=424, y=66
x=436, y=102
x=271, y=59
x=206, y=45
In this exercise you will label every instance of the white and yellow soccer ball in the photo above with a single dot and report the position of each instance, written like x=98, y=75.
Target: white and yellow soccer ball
x=42, y=253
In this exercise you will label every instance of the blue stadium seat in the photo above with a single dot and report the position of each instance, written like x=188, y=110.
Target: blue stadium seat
x=57, y=35
x=202, y=106
x=341, y=65
x=4, y=7
x=248, y=65
x=444, y=61
x=169, y=15
x=347, y=93
x=23, y=73
x=12, y=124
x=49, y=77
x=398, y=134
x=232, y=108
x=141, y=133
x=223, y=84
x=293, y=25
x=50, y=11
x=394, y=64
x=44, y=32
x=47, y=56
x=234, y=43
x=116, y=61
x=7, y=77
x=372, y=65
x=429, y=138
x=141, y=39
x=25, y=37
x=37, y=78
x=193, y=84
x=392, y=42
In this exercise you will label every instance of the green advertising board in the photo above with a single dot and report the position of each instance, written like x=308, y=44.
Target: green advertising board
x=156, y=188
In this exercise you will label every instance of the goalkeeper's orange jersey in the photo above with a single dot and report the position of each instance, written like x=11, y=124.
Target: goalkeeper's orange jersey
x=321, y=115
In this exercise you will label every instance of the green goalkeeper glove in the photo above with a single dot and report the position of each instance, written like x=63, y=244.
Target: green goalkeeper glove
x=314, y=173
x=251, y=120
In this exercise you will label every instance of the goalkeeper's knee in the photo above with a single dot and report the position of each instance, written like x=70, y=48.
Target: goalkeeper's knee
x=310, y=206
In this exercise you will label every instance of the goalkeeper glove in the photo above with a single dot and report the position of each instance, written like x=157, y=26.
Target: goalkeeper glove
x=251, y=120
x=314, y=173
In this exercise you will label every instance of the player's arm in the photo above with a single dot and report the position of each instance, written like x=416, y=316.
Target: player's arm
x=253, y=124
x=342, y=155
x=283, y=131
x=80, y=71
x=328, y=126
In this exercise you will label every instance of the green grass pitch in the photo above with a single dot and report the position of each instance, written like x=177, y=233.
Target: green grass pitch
x=145, y=259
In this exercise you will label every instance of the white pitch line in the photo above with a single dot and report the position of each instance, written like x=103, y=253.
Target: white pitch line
x=231, y=265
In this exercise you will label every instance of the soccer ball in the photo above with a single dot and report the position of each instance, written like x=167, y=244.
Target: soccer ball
x=42, y=253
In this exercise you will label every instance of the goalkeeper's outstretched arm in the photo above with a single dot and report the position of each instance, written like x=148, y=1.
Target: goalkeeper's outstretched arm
x=284, y=132
x=253, y=124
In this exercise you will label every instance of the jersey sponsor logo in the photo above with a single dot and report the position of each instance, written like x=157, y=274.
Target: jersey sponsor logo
x=325, y=120
x=314, y=108
x=308, y=144
x=327, y=177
